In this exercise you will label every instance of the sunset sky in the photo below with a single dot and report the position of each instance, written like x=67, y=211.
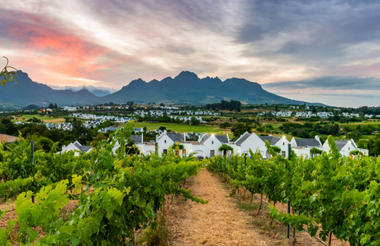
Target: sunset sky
x=319, y=51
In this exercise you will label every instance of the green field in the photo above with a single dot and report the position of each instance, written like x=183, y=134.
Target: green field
x=44, y=118
x=372, y=122
x=179, y=127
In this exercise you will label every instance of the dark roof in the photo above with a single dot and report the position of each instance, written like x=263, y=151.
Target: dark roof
x=204, y=138
x=222, y=138
x=304, y=142
x=340, y=143
x=176, y=137
x=271, y=139
x=242, y=138
x=137, y=139
x=82, y=148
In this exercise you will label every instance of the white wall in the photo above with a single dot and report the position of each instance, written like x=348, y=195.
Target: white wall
x=283, y=145
x=302, y=151
x=212, y=143
x=254, y=143
x=197, y=149
x=164, y=142
x=146, y=149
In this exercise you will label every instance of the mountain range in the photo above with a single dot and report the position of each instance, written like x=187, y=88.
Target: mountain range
x=186, y=88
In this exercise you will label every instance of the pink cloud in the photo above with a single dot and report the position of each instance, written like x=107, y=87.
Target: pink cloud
x=59, y=51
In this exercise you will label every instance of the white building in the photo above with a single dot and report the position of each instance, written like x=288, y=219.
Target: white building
x=345, y=147
x=168, y=139
x=249, y=142
x=302, y=146
x=282, y=143
x=211, y=143
x=77, y=148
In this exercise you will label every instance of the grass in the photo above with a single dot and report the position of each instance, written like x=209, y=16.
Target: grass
x=44, y=118
x=246, y=205
x=373, y=122
x=179, y=127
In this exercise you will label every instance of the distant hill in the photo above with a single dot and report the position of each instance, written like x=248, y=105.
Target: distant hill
x=31, y=107
x=185, y=88
x=188, y=88
x=24, y=92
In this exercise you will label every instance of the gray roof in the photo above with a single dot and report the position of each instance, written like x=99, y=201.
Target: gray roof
x=176, y=137
x=204, y=138
x=340, y=143
x=82, y=148
x=242, y=138
x=222, y=138
x=304, y=142
x=137, y=139
x=271, y=139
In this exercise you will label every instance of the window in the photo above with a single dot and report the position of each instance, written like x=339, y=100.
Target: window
x=165, y=151
x=283, y=153
x=212, y=153
x=212, y=142
x=164, y=141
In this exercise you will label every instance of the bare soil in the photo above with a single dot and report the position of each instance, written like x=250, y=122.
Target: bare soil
x=224, y=220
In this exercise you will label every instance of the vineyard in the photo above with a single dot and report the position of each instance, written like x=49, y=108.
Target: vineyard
x=328, y=194
x=107, y=198
x=115, y=195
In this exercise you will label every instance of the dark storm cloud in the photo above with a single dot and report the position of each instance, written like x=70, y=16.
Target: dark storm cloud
x=320, y=29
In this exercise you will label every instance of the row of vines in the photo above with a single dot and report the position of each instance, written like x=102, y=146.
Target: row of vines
x=116, y=195
x=329, y=194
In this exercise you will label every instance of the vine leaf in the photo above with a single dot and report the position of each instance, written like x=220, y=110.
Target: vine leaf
x=5, y=74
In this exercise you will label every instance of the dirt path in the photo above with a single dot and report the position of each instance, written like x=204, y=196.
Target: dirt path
x=219, y=222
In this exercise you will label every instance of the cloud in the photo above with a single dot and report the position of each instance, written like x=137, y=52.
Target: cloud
x=110, y=43
x=335, y=91
x=340, y=83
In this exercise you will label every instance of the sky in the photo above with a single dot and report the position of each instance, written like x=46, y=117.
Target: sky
x=319, y=51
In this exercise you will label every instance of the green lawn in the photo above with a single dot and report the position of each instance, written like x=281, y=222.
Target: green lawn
x=179, y=127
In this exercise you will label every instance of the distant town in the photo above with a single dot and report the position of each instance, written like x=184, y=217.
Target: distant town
x=358, y=127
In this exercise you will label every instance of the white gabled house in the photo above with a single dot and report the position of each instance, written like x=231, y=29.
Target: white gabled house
x=211, y=143
x=249, y=142
x=282, y=143
x=77, y=148
x=345, y=147
x=302, y=146
x=168, y=139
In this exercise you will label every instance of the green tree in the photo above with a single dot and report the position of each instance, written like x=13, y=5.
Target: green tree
x=239, y=128
x=225, y=148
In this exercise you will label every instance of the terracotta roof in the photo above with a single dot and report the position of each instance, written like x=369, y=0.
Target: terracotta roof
x=8, y=138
